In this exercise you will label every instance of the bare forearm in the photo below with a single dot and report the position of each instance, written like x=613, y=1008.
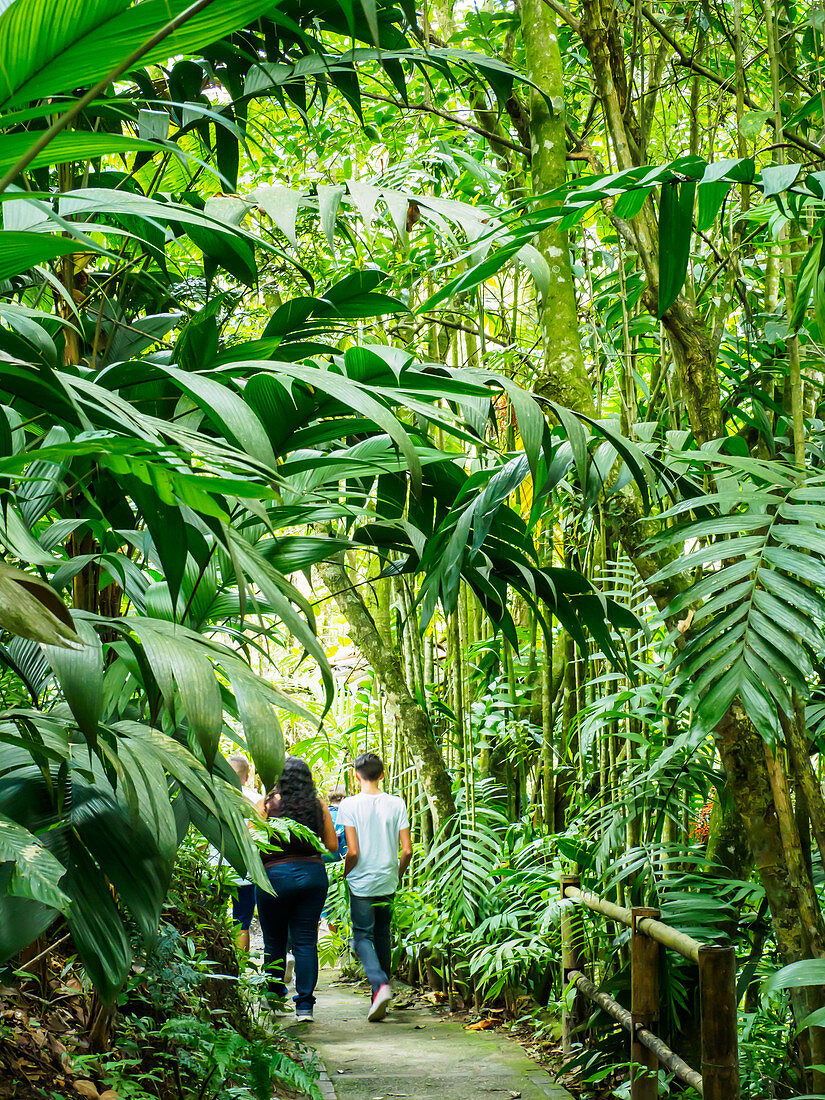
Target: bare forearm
x=406, y=845
x=350, y=861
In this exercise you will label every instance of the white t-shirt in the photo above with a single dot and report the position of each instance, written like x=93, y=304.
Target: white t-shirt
x=377, y=820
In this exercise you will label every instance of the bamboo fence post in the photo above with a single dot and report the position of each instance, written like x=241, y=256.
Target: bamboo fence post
x=572, y=958
x=717, y=997
x=644, y=1006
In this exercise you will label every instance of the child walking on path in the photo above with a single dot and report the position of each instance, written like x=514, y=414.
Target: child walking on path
x=376, y=826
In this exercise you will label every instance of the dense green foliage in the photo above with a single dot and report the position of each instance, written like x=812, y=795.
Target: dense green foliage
x=449, y=380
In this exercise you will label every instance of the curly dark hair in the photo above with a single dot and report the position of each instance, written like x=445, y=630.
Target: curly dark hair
x=298, y=798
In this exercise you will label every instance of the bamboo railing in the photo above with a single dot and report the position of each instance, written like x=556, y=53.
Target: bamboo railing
x=719, y=1078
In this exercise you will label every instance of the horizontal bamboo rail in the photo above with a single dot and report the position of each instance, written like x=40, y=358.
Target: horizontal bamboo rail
x=685, y=945
x=719, y=1079
x=662, y=1051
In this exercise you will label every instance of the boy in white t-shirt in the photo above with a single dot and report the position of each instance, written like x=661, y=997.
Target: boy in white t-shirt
x=376, y=826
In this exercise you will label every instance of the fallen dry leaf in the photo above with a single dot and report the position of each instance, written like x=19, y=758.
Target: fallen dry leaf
x=86, y=1089
x=56, y=1047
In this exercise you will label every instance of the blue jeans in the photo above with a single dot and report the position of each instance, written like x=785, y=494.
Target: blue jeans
x=243, y=906
x=371, y=936
x=292, y=917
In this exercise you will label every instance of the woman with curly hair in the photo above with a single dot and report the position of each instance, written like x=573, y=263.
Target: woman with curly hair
x=299, y=879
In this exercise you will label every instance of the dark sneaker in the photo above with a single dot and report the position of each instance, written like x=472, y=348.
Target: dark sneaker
x=380, y=1003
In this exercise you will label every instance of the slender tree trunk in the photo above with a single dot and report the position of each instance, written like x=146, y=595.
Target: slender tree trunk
x=689, y=339
x=411, y=719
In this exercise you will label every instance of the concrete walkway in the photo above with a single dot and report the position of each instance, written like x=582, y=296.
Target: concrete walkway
x=415, y=1053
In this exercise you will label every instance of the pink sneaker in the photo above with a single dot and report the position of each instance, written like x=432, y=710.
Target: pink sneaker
x=380, y=1003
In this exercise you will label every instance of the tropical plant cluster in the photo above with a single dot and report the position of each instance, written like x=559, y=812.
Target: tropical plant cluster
x=187, y=1024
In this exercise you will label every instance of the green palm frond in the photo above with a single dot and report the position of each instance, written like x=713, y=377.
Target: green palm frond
x=758, y=552
x=464, y=855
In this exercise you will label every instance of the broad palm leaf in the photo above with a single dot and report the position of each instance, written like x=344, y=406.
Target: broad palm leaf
x=756, y=553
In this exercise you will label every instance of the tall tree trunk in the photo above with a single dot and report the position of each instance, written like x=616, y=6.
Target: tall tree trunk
x=411, y=719
x=689, y=339
x=564, y=377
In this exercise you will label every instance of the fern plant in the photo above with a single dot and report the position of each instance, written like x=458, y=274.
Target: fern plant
x=755, y=545
x=455, y=881
x=517, y=941
x=465, y=854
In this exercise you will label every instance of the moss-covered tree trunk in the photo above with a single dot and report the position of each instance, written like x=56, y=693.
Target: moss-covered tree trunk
x=564, y=377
